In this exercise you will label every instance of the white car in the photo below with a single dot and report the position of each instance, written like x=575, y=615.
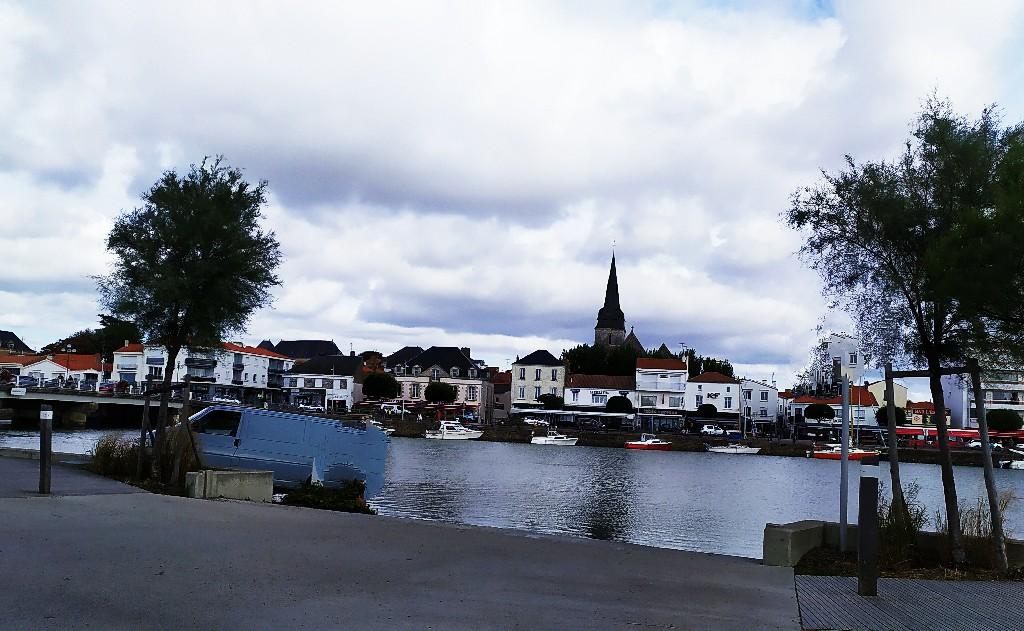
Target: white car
x=976, y=444
x=311, y=408
x=536, y=422
x=225, y=400
x=712, y=430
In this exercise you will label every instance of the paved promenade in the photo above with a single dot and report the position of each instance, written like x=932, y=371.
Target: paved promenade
x=141, y=561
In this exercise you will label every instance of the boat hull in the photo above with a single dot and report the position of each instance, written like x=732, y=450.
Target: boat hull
x=829, y=455
x=469, y=435
x=735, y=450
x=544, y=440
x=649, y=446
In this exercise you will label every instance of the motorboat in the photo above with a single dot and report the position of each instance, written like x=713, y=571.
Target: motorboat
x=375, y=423
x=649, y=442
x=834, y=451
x=733, y=448
x=453, y=430
x=553, y=438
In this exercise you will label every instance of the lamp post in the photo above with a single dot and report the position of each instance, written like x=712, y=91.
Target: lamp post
x=67, y=361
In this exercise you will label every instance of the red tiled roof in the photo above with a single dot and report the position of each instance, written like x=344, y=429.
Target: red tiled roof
x=607, y=382
x=21, y=360
x=253, y=350
x=502, y=377
x=131, y=348
x=786, y=394
x=859, y=395
x=79, y=362
x=713, y=377
x=660, y=364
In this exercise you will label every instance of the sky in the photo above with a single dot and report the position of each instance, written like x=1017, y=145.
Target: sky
x=456, y=173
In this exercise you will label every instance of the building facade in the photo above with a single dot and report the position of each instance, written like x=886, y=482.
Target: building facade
x=1002, y=389
x=714, y=388
x=537, y=374
x=863, y=406
x=332, y=383
x=445, y=364
x=842, y=349
x=760, y=402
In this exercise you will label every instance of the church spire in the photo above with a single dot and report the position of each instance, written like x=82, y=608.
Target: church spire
x=610, y=316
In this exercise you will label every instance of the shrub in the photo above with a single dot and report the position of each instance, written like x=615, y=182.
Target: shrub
x=551, y=401
x=882, y=416
x=819, y=411
x=618, y=404
x=380, y=385
x=115, y=456
x=346, y=499
x=897, y=539
x=438, y=392
x=976, y=525
x=1003, y=420
x=707, y=410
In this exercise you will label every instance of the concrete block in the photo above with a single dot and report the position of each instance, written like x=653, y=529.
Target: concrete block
x=785, y=544
x=252, y=486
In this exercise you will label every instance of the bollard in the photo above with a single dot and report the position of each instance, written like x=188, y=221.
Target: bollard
x=867, y=529
x=45, y=447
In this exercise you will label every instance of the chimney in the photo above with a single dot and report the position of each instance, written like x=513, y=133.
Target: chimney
x=126, y=342
x=465, y=351
x=351, y=353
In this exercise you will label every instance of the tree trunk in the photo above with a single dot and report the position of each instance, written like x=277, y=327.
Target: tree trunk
x=899, y=503
x=161, y=419
x=998, y=538
x=956, y=546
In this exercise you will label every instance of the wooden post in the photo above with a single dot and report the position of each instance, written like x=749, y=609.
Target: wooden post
x=998, y=538
x=899, y=504
x=45, y=447
x=867, y=529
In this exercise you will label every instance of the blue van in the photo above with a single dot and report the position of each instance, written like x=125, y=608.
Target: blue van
x=295, y=447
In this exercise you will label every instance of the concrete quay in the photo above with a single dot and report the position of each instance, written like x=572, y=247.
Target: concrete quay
x=130, y=560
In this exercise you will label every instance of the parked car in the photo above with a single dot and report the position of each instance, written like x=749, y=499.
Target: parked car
x=28, y=382
x=295, y=447
x=53, y=383
x=536, y=422
x=592, y=424
x=311, y=408
x=225, y=400
x=107, y=386
x=712, y=430
x=976, y=444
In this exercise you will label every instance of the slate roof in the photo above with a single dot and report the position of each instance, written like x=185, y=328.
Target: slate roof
x=445, y=357
x=539, y=358
x=606, y=382
x=342, y=365
x=610, y=315
x=253, y=350
x=713, y=377
x=11, y=342
x=402, y=356
x=652, y=363
x=306, y=349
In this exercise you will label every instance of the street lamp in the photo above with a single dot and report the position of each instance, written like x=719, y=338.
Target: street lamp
x=67, y=361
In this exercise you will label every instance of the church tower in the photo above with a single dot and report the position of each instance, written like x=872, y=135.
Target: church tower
x=611, y=323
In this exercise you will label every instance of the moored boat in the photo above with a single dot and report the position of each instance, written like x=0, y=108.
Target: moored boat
x=553, y=438
x=834, y=451
x=734, y=448
x=649, y=442
x=453, y=430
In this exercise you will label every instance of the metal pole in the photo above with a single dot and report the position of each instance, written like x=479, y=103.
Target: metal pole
x=45, y=447
x=844, y=465
x=867, y=529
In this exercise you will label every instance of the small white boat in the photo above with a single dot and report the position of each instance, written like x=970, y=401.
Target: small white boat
x=734, y=448
x=553, y=438
x=834, y=451
x=387, y=430
x=453, y=430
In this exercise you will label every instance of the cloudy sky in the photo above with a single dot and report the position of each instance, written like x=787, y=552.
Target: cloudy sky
x=455, y=173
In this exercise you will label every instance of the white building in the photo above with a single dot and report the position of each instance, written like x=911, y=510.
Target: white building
x=863, y=407
x=1003, y=390
x=243, y=373
x=660, y=393
x=841, y=348
x=331, y=382
x=714, y=388
x=537, y=374
x=57, y=366
x=593, y=391
x=760, y=401
x=446, y=364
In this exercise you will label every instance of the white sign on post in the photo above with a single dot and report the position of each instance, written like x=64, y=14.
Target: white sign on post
x=17, y=392
x=46, y=415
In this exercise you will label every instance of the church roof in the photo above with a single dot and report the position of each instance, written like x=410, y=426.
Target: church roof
x=610, y=316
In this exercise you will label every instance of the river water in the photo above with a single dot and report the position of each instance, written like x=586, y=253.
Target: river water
x=689, y=501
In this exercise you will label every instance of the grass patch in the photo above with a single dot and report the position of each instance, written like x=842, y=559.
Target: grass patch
x=346, y=499
x=115, y=456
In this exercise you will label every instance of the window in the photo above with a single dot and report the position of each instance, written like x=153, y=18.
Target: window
x=522, y=392
x=599, y=397
x=522, y=373
x=157, y=372
x=648, y=400
x=699, y=399
x=554, y=391
x=536, y=374
x=764, y=412
x=220, y=422
x=699, y=387
x=728, y=388
x=746, y=394
x=853, y=358
x=245, y=377
x=728, y=403
x=575, y=395
x=293, y=383
x=536, y=392
x=399, y=370
x=675, y=402
x=764, y=395
x=414, y=391
x=435, y=374
x=343, y=384
x=471, y=393
x=554, y=374
x=455, y=371
x=309, y=383
x=472, y=373
x=416, y=371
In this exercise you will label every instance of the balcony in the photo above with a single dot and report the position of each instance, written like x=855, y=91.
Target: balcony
x=273, y=370
x=132, y=366
x=237, y=382
x=155, y=361
x=201, y=362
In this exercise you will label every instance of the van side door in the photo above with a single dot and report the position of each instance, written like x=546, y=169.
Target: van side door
x=217, y=433
x=276, y=443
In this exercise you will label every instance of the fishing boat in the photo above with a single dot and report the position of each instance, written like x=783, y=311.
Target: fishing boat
x=453, y=430
x=734, y=448
x=834, y=451
x=649, y=442
x=553, y=438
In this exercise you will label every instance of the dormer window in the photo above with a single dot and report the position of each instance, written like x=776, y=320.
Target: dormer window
x=455, y=371
x=472, y=373
x=416, y=371
x=435, y=373
x=399, y=370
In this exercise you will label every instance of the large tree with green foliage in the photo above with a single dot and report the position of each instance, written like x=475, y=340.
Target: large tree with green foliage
x=440, y=392
x=897, y=244
x=192, y=263
x=699, y=364
x=380, y=385
x=1004, y=420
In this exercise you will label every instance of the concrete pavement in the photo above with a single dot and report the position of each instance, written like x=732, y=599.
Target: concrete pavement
x=19, y=477
x=134, y=561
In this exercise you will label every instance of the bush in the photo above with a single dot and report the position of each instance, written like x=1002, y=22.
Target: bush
x=380, y=385
x=347, y=499
x=819, y=411
x=1003, y=420
x=438, y=392
x=115, y=456
x=707, y=410
x=882, y=416
x=976, y=526
x=897, y=539
x=551, y=401
x=618, y=404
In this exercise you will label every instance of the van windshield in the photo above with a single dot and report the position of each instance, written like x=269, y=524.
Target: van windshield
x=220, y=422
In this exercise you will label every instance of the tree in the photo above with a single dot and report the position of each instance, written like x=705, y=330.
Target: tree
x=551, y=401
x=601, y=360
x=698, y=364
x=111, y=335
x=192, y=263
x=439, y=392
x=707, y=410
x=1004, y=420
x=618, y=405
x=884, y=237
x=819, y=411
x=380, y=385
x=882, y=416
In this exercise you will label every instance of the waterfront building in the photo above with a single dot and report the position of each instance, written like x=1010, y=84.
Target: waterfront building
x=660, y=394
x=899, y=393
x=863, y=406
x=760, y=403
x=502, y=384
x=837, y=348
x=1002, y=389
x=302, y=350
x=56, y=366
x=785, y=408
x=714, y=388
x=11, y=344
x=446, y=364
x=331, y=382
x=235, y=372
x=537, y=374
